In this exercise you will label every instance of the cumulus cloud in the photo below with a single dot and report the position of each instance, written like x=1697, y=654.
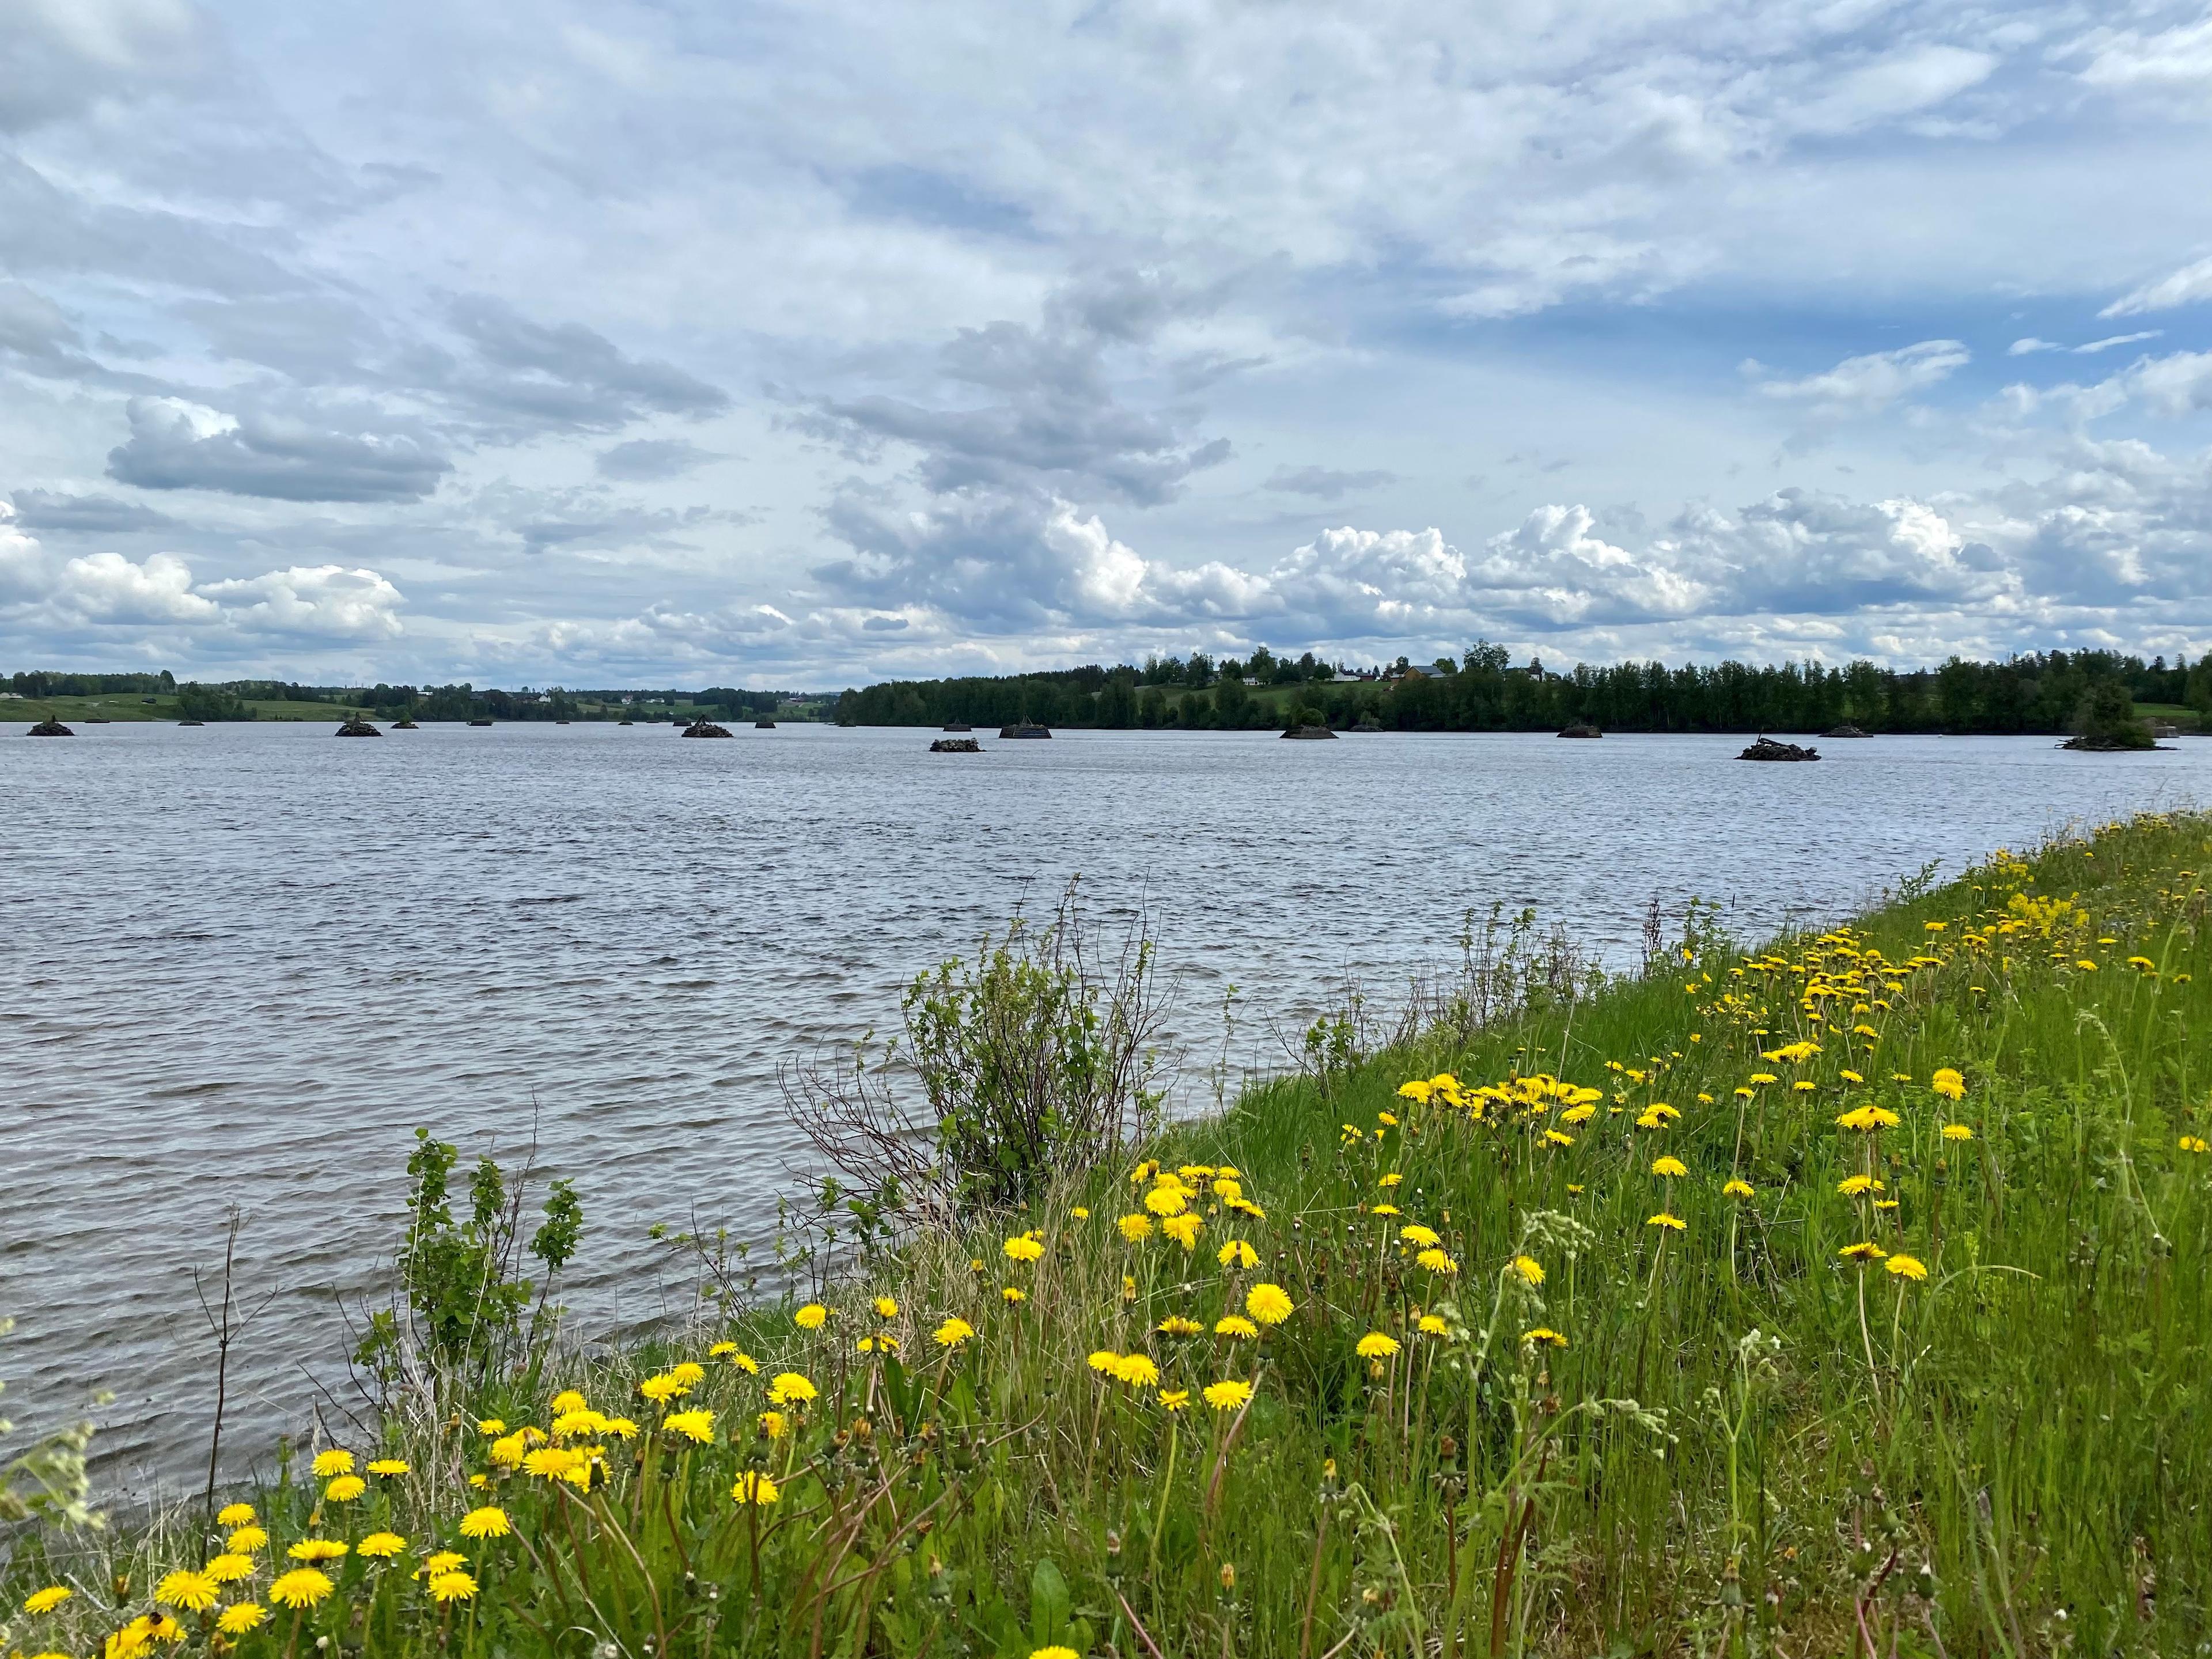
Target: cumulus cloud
x=2190, y=285
x=176, y=444
x=320, y=602
x=1868, y=384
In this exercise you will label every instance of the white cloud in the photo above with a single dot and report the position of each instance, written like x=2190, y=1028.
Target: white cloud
x=1905, y=83
x=317, y=601
x=2190, y=285
x=108, y=588
x=1865, y=385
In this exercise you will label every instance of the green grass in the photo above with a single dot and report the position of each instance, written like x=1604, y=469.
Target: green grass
x=1749, y=1442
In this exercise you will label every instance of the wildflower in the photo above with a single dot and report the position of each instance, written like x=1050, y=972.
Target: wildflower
x=1948, y=1084
x=1375, y=1345
x=376, y=1547
x=1530, y=1269
x=1387, y=1120
x=237, y=1620
x=1421, y=1237
x=335, y=1460
x=1236, y=1327
x=755, y=1488
x=1144, y=1172
x=1669, y=1166
x=1080, y=1213
x=489, y=1425
x=1390, y=1180
x=1226, y=1189
x=662, y=1389
x=1865, y=1250
x=1177, y=1325
x=1803, y=1087
x=2192, y=1143
x=1436, y=1261
x=1866, y=1119
x=1906, y=1266
x=690, y=1373
x=2086, y=966
x=47, y=1599
x=583, y=1421
x=1166, y=1201
x=317, y=1549
x=1129, y=1288
x=1431, y=1324
x=195, y=1592
x=773, y=1424
x=622, y=1428
x=790, y=1388
x=1013, y=1293
x=302, y=1587
x=1864, y=1031
x=1173, y=1400
x=1849, y=1075
x=1553, y=1137
x=1138, y=1370
x=490, y=1522
x=721, y=1350
x=453, y=1585
x=1543, y=1333
x=345, y=1489
x=1237, y=1253
x=1025, y=1248
x=1673, y=1223
x=696, y=1426
x=1765, y=1077
x=886, y=1308
x=1055, y=1652
x=1575, y=1115
x=243, y=1541
x=1854, y=1186
x=507, y=1451
x=234, y=1514
x=1229, y=1395
x=1135, y=1228
x=1737, y=1188
x=388, y=1466
x=444, y=1561
x=952, y=1333
x=551, y=1463
x=1386, y=1209
x=1105, y=1362
x=1650, y=1120
x=1184, y=1229
x=1269, y=1304
x=811, y=1317
x=229, y=1568
x=568, y=1401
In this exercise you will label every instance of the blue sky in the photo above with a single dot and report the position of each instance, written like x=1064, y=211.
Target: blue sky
x=802, y=344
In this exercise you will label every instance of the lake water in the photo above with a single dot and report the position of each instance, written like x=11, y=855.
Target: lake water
x=244, y=962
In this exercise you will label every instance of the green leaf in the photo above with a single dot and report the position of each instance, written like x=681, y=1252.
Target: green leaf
x=1048, y=1603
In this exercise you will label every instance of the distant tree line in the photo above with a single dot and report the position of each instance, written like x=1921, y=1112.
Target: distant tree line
x=1484, y=692
x=232, y=700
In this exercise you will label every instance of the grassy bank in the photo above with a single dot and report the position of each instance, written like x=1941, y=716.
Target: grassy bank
x=1845, y=1298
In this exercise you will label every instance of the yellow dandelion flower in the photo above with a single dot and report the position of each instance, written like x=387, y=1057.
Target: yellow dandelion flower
x=1166, y=1201
x=569, y=1400
x=662, y=1389
x=1386, y=1209
x=1177, y=1325
x=243, y=1541
x=345, y=1489
x=1436, y=1261
x=1866, y=1119
x=1854, y=1186
x=444, y=1561
x=1673, y=1222
x=1269, y=1304
x=622, y=1428
x=1080, y=1213
x=1906, y=1266
x=1669, y=1166
x=886, y=1307
x=1419, y=1236
x=1530, y=1269
x=2192, y=1143
x=1377, y=1344
x=1237, y=1253
x=1105, y=1361
x=811, y=1317
x=1184, y=1229
x=1849, y=1075
x=239, y=1618
x=1431, y=1324
x=690, y=1373
x=1173, y=1400
x=1236, y=1327
x=551, y=1463
x=696, y=1425
x=1013, y=1293
x=302, y=1587
x=1023, y=1248
x=755, y=1489
x=1543, y=1333
x=1957, y=1131
x=229, y=1568
x=335, y=1460
x=452, y=1586
x=1737, y=1188
x=1865, y=1250
x=790, y=1388
x=490, y=1522
x=491, y=1426
x=388, y=1466
x=317, y=1549
x=952, y=1333
x=1947, y=1082
x=1138, y=1370
x=773, y=1425
x=1135, y=1228
x=376, y=1547
x=47, y=1599
x=234, y=1514
x=1228, y=1395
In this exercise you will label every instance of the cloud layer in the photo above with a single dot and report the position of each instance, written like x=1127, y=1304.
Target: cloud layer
x=661, y=342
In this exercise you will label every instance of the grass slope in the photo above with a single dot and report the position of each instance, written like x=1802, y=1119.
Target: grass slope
x=1930, y=1378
